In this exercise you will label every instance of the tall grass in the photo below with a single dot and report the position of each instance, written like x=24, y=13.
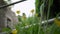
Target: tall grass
x=33, y=25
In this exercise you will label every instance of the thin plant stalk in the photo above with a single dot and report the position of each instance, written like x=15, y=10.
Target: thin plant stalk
x=48, y=13
x=32, y=23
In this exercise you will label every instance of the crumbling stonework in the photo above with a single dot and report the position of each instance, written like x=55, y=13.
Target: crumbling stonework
x=7, y=17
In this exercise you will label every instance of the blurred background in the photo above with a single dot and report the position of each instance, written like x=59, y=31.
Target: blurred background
x=29, y=16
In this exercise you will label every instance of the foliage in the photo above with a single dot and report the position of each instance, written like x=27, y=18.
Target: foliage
x=33, y=25
x=28, y=26
x=7, y=30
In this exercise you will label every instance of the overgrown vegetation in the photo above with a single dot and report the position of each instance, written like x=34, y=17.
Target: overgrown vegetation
x=33, y=25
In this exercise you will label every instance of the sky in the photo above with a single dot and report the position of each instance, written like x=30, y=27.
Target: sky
x=24, y=7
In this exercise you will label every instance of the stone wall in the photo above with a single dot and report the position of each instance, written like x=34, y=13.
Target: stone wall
x=7, y=17
x=13, y=18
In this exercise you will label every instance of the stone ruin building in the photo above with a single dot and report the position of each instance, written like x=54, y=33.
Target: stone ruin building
x=7, y=17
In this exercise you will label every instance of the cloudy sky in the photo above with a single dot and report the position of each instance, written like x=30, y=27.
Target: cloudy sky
x=24, y=7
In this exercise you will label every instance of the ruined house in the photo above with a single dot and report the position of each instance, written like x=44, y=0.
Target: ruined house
x=7, y=17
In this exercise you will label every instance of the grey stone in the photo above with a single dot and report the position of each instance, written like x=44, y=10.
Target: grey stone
x=7, y=17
